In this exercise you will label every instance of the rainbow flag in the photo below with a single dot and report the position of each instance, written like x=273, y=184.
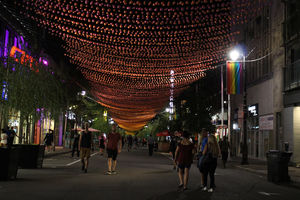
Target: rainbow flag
x=234, y=77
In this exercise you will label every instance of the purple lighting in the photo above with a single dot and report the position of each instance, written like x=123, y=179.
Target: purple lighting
x=60, y=130
x=15, y=41
x=6, y=43
x=45, y=62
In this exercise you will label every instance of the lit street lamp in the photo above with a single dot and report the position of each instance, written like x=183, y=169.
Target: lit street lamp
x=234, y=55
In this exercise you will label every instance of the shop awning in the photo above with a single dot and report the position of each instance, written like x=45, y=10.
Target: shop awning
x=163, y=133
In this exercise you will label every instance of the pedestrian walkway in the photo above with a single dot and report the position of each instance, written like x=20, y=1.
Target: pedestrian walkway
x=140, y=177
x=58, y=151
x=260, y=167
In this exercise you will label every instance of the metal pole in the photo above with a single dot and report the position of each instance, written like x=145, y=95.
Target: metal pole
x=222, y=102
x=229, y=123
x=245, y=110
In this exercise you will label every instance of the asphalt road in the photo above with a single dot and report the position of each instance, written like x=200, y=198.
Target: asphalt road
x=139, y=177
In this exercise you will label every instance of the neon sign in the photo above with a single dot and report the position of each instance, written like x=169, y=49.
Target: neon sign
x=22, y=57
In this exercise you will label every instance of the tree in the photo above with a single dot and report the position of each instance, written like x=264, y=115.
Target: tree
x=31, y=89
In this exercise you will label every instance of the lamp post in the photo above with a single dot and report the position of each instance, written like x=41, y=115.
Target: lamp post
x=235, y=55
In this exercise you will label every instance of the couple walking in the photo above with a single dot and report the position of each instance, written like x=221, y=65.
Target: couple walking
x=209, y=152
x=113, y=148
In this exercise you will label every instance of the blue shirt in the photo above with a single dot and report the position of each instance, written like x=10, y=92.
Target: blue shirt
x=203, y=143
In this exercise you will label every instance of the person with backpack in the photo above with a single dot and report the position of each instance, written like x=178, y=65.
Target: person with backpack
x=209, y=162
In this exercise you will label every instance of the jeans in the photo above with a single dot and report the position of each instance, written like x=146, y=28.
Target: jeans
x=210, y=170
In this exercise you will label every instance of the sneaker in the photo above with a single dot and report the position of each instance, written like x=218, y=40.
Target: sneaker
x=180, y=186
x=113, y=172
x=204, y=188
x=210, y=190
x=108, y=173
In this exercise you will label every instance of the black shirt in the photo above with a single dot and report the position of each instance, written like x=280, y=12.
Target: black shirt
x=86, y=139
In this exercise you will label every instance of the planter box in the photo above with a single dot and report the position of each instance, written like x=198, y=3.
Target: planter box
x=163, y=146
x=9, y=163
x=30, y=156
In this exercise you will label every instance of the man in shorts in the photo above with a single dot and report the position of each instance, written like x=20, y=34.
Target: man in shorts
x=113, y=147
x=85, y=144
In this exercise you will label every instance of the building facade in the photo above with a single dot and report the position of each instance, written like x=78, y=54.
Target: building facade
x=291, y=87
x=16, y=41
x=262, y=38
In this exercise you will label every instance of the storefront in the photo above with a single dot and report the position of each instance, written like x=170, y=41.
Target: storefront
x=291, y=137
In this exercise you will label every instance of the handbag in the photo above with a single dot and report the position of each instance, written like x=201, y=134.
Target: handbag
x=205, y=160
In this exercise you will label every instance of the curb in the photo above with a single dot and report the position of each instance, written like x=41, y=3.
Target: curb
x=56, y=154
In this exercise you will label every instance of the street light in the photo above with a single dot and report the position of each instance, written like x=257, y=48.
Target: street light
x=235, y=55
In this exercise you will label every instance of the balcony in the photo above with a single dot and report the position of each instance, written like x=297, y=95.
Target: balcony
x=292, y=76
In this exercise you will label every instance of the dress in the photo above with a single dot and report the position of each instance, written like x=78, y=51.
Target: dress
x=185, y=155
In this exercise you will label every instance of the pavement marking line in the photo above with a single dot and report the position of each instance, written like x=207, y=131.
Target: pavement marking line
x=267, y=194
x=76, y=161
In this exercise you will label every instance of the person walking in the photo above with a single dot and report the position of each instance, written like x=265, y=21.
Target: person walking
x=224, y=146
x=3, y=138
x=129, y=142
x=48, y=140
x=202, y=144
x=172, y=149
x=113, y=148
x=75, y=143
x=11, y=136
x=150, y=145
x=85, y=145
x=211, y=152
x=101, y=144
x=184, y=157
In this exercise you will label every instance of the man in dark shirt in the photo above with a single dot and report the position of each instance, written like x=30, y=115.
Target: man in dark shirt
x=129, y=141
x=150, y=145
x=75, y=143
x=85, y=145
x=113, y=147
x=11, y=136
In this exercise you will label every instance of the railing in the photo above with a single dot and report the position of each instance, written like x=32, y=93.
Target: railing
x=292, y=76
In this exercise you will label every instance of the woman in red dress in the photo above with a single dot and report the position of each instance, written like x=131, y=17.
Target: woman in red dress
x=184, y=158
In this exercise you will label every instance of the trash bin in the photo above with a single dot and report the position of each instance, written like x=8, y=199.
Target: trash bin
x=9, y=163
x=31, y=156
x=278, y=170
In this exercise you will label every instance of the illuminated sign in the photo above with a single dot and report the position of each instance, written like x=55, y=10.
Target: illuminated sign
x=20, y=56
x=253, y=110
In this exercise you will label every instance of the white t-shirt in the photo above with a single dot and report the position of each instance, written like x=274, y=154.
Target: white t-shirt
x=3, y=138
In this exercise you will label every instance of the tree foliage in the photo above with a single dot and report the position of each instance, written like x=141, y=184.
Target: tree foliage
x=30, y=89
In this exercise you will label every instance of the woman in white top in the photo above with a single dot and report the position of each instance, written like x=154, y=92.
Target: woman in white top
x=3, y=140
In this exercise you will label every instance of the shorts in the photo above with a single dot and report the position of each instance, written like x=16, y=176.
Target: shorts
x=112, y=153
x=183, y=166
x=85, y=152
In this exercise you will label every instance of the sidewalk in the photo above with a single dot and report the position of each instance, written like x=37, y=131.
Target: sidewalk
x=58, y=151
x=260, y=167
